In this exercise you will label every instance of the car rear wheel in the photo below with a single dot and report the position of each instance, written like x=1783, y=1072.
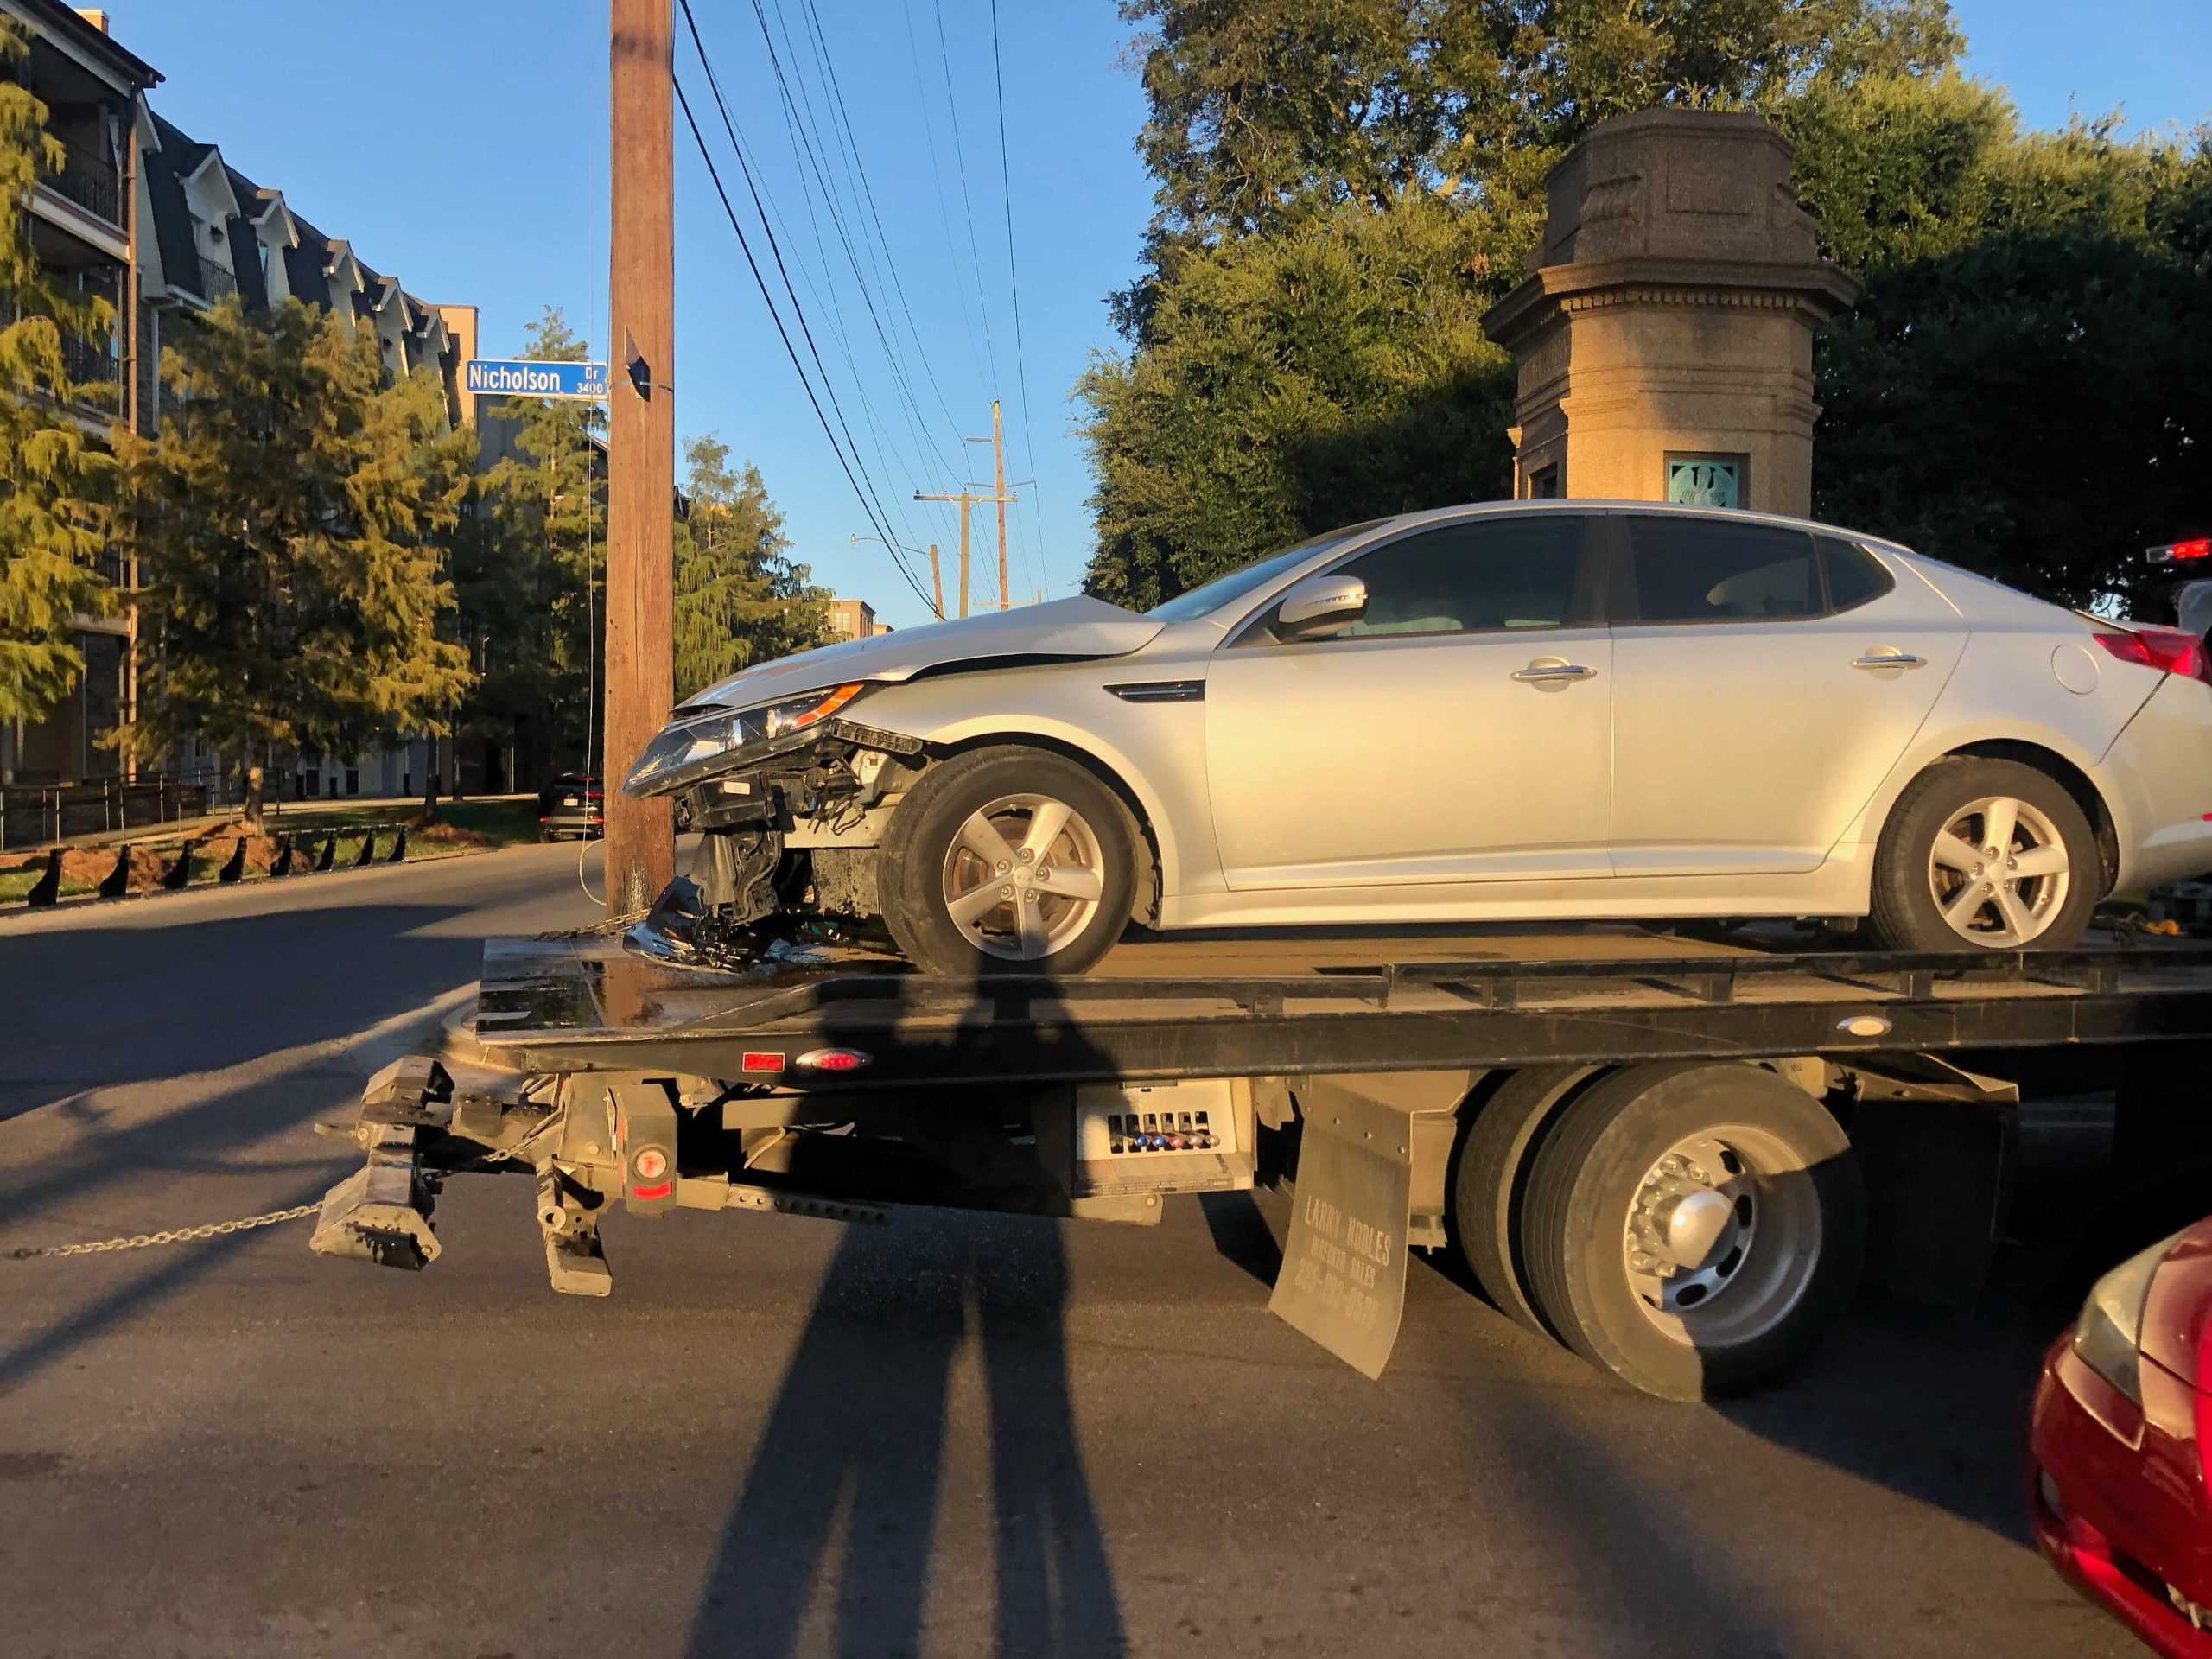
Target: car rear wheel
x=1985, y=855
x=1693, y=1228
x=1007, y=859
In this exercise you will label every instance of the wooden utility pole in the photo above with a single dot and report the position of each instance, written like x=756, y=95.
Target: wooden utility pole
x=998, y=493
x=937, y=586
x=641, y=441
x=967, y=498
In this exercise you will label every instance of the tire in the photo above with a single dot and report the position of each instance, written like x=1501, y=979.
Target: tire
x=1907, y=914
x=930, y=858
x=1493, y=1167
x=1770, y=1278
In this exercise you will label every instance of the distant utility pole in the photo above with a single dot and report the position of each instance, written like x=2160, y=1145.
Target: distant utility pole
x=937, y=586
x=641, y=441
x=969, y=496
x=998, y=492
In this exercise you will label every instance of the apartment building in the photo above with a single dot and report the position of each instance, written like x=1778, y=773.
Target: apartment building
x=82, y=228
x=156, y=221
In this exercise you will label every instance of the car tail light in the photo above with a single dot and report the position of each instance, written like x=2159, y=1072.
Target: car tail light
x=2168, y=650
x=2108, y=1335
x=2198, y=547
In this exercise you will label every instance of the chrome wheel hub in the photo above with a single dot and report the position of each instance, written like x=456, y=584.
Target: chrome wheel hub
x=1721, y=1237
x=1998, y=872
x=1023, y=877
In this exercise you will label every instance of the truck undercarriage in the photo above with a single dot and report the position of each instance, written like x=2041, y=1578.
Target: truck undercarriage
x=1402, y=1103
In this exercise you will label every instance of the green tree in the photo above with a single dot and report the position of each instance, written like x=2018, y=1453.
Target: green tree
x=54, y=476
x=1345, y=185
x=2021, y=389
x=293, y=517
x=739, y=599
x=1261, y=111
x=1329, y=373
x=531, y=567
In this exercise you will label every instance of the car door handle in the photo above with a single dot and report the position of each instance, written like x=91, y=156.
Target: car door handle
x=1888, y=660
x=1542, y=671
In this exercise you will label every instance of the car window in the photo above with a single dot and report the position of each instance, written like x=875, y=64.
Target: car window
x=1854, y=576
x=1693, y=569
x=1479, y=576
x=1232, y=585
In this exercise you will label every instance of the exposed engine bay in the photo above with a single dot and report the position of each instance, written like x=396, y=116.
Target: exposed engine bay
x=787, y=854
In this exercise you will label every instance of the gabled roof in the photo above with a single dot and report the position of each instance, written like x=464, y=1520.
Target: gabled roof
x=172, y=213
x=66, y=24
x=245, y=261
x=305, y=264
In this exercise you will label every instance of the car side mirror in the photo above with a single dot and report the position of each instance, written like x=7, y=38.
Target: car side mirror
x=1320, y=605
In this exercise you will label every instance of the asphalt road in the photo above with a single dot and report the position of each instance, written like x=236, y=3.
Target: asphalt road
x=949, y=1435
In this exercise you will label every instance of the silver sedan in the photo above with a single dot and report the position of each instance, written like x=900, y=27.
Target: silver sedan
x=1513, y=711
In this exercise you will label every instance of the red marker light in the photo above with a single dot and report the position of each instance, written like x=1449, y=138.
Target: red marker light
x=761, y=1062
x=833, y=1060
x=660, y=1191
x=650, y=1165
x=2198, y=547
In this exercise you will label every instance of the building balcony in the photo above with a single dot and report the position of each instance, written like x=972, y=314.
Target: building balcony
x=211, y=281
x=89, y=181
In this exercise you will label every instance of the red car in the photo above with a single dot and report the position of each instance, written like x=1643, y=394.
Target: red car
x=2121, y=1441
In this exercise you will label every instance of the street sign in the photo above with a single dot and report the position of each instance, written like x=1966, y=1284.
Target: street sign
x=493, y=377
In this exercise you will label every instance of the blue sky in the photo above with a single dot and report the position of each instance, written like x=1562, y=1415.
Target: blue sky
x=462, y=145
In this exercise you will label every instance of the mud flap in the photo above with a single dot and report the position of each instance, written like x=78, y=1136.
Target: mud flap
x=1343, y=1280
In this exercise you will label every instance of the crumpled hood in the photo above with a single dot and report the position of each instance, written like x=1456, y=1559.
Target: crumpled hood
x=1080, y=627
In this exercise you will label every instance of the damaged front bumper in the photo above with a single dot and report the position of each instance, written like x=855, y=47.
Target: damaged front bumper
x=817, y=771
x=770, y=873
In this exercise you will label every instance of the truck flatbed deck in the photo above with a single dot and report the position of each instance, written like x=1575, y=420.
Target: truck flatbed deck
x=1170, y=1009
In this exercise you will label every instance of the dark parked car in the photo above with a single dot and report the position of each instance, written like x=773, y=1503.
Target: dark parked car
x=572, y=804
x=2121, y=1446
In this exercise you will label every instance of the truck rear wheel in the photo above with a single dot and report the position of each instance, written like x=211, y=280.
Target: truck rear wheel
x=1486, y=1192
x=1693, y=1228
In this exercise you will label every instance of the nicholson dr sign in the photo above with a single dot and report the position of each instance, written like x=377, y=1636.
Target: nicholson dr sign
x=500, y=376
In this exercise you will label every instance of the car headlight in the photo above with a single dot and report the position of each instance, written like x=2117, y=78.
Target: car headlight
x=2108, y=1337
x=688, y=749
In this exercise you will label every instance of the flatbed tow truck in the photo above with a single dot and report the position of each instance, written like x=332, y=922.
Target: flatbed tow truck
x=1657, y=1151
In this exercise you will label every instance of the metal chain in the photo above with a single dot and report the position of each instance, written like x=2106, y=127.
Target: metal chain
x=168, y=1235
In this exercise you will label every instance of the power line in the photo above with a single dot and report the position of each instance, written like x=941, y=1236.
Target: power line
x=844, y=118
x=829, y=195
x=967, y=201
x=868, y=506
x=1013, y=282
x=729, y=126
x=937, y=176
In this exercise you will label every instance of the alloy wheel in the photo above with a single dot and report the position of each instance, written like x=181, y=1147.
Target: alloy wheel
x=1998, y=872
x=1023, y=877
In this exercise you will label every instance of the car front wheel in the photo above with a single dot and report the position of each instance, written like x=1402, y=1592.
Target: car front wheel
x=1007, y=859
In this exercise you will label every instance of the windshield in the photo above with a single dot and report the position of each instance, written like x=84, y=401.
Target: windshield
x=1233, y=585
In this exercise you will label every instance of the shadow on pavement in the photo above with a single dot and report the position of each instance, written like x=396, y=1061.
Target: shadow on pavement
x=103, y=1006
x=845, y=1484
